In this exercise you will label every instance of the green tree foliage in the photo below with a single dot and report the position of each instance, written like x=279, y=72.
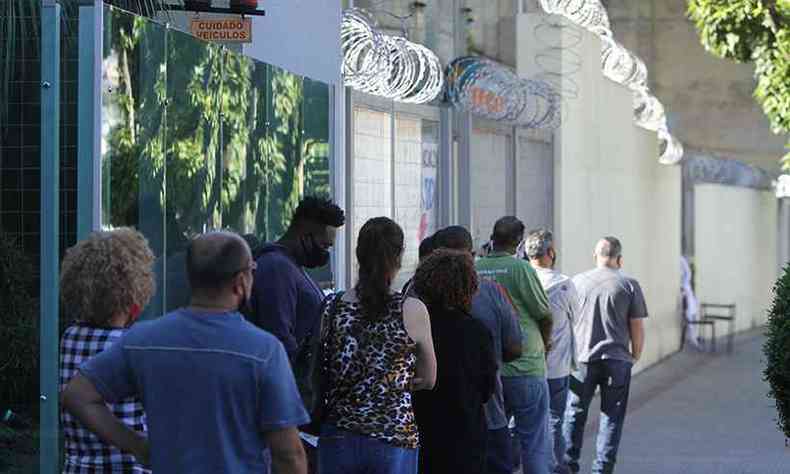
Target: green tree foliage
x=753, y=31
x=225, y=138
x=18, y=326
x=777, y=351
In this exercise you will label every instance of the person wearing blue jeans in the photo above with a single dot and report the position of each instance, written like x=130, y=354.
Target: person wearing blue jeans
x=558, y=399
x=610, y=336
x=564, y=302
x=343, y=452
x=526, y=393
x=614, y=379
x=527, y=399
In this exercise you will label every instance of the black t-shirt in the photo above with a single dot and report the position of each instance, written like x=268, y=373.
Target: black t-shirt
x=451, y=417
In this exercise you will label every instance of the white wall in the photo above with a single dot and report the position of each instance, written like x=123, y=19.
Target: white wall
x=736, y=249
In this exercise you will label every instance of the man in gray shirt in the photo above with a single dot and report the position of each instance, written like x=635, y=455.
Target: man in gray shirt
x=610, y=337
x=564, y=303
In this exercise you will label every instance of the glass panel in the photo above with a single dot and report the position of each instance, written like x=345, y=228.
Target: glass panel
x=132, y=133
x=194, y=143
x=489, y=154
x=197, y=137
x=315, y=149
x=285, y=117
x=372, y=186
x=243, y=131
x=416, y=148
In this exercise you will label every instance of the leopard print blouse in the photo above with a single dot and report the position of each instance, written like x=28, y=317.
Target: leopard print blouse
x=369, y=367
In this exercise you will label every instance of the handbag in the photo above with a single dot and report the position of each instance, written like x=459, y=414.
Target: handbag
x=313, y=384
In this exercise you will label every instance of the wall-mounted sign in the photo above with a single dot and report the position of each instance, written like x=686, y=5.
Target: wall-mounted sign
x=223, y=30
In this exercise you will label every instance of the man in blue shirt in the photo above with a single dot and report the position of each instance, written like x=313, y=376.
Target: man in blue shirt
x=285, y=299
x=217, y=391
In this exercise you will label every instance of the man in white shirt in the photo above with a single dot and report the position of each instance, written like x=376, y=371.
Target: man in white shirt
x=563, y=300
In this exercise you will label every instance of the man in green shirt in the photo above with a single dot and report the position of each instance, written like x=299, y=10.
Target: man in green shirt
x=524, y=380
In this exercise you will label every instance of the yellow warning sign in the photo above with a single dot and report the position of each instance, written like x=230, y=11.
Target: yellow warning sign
x=224, y=30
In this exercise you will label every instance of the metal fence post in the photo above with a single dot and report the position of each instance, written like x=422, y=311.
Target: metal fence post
x=49, y=456
x=89, y=117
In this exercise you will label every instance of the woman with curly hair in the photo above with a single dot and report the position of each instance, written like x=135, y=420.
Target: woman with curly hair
x=451, y=417
x=377, y=349
x=106, y=281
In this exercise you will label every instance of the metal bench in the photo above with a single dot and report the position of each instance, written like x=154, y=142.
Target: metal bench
x=702, y=323
x=720, y=312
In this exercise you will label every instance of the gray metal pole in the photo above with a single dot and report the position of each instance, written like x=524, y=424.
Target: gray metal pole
x=49, y=456
x=445, y=176
x=89, y=96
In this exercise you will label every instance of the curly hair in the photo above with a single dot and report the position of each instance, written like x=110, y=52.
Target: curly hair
x=106, y=274
x=322, y=211
x=447, y=279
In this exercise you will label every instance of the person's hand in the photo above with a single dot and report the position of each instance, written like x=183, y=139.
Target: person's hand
x=549, y=347
x=142, y=453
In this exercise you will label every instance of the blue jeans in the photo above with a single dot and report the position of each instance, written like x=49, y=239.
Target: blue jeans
x=499, y=456
x=343, y=452
x=558, y=398
x=614, y=379
x=527, y=399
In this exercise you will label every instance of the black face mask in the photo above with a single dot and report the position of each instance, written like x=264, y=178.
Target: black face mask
x=314, y=256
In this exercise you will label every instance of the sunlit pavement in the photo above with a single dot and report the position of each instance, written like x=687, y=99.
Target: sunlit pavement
x=700, y=413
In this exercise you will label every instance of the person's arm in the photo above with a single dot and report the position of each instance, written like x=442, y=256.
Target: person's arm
x=274, y=299
x=81, y=399
x=105, y=378
x=573, y=310
x=637, y=328
x=488, y=370
x=637, y=312
x=510, y=328
x=288, y=455
x=537, y=303
x=281, y=411
x=418, y=325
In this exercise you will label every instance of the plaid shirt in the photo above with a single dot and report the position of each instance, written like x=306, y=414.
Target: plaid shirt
x=85, y=453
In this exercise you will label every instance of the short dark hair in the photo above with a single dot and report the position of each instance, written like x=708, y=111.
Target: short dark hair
x=427, y=246
x=508, y=230
x=214, y=259
x=614, y=249
x=538, y=243
x=319, y=210
x=454, y=237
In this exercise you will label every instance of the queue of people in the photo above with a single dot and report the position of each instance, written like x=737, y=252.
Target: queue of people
x=420, y=380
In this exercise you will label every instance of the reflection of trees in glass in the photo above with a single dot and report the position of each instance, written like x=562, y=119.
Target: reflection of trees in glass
x=232, y=134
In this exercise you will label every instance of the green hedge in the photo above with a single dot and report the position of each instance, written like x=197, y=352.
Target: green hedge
x=18, y=326
x=777, y=351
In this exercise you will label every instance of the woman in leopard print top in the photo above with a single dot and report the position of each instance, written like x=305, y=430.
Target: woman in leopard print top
x=377, y=350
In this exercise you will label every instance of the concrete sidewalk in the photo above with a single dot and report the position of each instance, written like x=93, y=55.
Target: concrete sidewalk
x=700, y=413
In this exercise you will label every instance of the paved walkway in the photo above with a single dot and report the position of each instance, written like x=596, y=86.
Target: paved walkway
x=698, y=413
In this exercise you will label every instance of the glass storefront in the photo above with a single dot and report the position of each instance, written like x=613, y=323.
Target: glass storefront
x=396, y=176
x=197, y=137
